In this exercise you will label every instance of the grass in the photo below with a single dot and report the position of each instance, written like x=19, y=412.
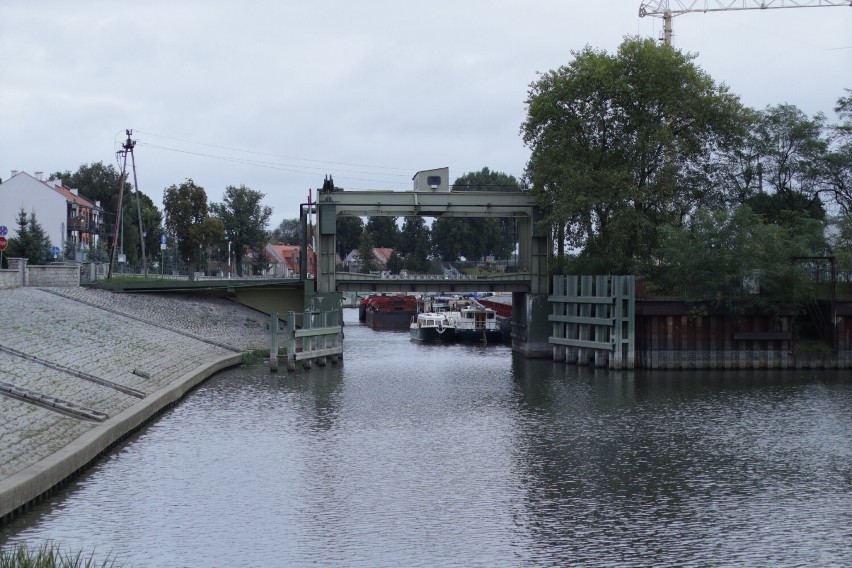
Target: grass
x=48, y=555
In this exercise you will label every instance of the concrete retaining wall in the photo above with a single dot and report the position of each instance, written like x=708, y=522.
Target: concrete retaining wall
x=48, y=275
x=28, y=484
x=53, y=275
x=9, y=279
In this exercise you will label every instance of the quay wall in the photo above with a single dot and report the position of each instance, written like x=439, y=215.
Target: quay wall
x=673, y=335
x=80, y=369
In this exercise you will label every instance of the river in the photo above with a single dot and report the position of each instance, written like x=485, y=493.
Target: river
x=452, y=455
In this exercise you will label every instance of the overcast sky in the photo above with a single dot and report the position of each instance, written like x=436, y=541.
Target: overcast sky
x=275, y=95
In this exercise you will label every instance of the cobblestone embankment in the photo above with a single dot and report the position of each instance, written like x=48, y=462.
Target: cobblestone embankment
x=81, y=368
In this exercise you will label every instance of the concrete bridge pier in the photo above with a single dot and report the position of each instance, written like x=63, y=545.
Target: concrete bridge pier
x=530, y=326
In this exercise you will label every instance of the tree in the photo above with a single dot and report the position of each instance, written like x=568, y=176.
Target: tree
x=97, y=182
x=456, y=237
x=793, y=150
x=728, y=257
x=498, y=235
x=366, y=252
x=101, y=183
x=288, y=232
x=245, y=221
x=414, y=244
x=349, y=231
x=383, y=231
x=839, y=159
x=31, y=240
x=621, y=145
x=152, y=221
x=188, y=221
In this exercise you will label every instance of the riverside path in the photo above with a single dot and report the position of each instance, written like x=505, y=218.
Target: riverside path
x=81, y=368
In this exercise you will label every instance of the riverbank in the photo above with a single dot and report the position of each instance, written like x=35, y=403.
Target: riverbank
x=80, y=369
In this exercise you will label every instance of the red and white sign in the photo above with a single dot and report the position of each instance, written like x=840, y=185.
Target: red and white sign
x=3, y=243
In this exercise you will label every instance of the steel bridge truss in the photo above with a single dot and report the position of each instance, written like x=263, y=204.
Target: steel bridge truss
x=533, y=245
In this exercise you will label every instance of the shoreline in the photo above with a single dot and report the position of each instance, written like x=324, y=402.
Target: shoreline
x=120, y=358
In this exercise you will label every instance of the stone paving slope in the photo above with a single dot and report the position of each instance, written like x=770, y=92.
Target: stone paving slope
x=103, y=353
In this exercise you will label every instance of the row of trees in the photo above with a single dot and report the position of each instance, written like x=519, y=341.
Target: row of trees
x=197, y=229
x=644, y=165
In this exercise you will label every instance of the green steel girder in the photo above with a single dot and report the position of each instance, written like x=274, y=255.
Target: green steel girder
x=430, y=204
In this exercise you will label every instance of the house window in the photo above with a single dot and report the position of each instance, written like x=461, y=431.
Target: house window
x=433, y=181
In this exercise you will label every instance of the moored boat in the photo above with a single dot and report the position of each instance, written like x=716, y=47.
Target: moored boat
x=432, y=326
x=476, y=323
x=389, y=312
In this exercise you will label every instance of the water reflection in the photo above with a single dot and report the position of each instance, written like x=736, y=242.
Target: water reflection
x=457, y=455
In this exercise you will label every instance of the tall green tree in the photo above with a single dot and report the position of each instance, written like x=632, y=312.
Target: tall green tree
x=414, y=239
x=497, y=235
x=30, y=240
x=620, y=146
x=188, y=221
x=839, y=159
x=475, y=237
x=287, y=232
x=383, y=231
x=349, y=231
x=793, y=150
x=245, y=221
x=366, y=252
x=101, y=183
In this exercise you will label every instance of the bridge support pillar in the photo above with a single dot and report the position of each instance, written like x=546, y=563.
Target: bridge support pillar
x=530, y=326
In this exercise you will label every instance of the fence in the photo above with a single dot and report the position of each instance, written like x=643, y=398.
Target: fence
x=593, y=320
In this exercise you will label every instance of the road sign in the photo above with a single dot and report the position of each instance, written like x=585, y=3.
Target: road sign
x=3, y=243
x=3, y=230
x=54, y=251
x=162, y=239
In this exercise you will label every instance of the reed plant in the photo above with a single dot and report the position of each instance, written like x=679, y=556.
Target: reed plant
x=49, y=555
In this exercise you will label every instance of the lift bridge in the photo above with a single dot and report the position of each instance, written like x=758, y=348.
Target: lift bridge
x=431, y=197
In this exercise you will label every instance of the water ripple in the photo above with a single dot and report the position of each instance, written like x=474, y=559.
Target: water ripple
x=424, y=455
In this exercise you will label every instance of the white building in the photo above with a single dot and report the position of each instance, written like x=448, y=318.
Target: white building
x=35, y=196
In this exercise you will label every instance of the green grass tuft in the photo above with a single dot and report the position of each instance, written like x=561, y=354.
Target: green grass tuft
x=48, y=555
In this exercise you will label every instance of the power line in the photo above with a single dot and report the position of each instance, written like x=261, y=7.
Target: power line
x=284, y=156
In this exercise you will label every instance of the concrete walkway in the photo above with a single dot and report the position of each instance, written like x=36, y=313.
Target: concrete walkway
x=81, y=368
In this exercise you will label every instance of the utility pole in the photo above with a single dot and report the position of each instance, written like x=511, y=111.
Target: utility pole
x=127, y=148
x=668, y=9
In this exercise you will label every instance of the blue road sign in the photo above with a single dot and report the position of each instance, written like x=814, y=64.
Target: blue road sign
x=54, y=251
x=163, y=239
x=3, y=230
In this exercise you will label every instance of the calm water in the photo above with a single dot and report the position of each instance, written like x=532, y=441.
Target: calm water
x=422, y=455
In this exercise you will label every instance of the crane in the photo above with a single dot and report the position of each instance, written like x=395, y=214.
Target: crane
x=666, y=9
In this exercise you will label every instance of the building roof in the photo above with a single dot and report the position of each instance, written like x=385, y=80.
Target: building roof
x=71, y=195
